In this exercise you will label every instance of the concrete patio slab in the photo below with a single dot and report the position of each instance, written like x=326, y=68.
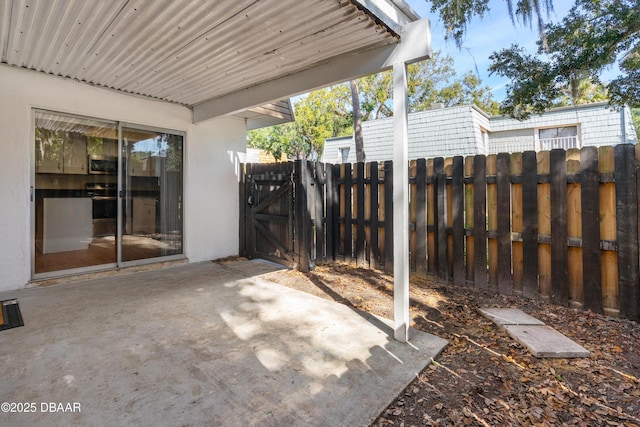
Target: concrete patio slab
x=200, y=344
x=539, y=339
x=509, y=316
x=544, y=341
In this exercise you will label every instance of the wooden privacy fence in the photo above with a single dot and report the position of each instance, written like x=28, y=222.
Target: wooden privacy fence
x=556, y=224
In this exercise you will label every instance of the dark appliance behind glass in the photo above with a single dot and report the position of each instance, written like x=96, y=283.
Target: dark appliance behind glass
x=105, y=207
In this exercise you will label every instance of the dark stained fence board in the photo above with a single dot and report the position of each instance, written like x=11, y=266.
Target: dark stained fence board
x=590, y=201
x=319, y=207
x=361, y=258
x=457, y=194
x=242, y=199
x=330, y=211
x=503, y=184
x=627, y=231
x=301, y=213
x=480, y=218
x=388, y=216
x=530, y=224
x=348, y=223
x=421, y=217
x=441, y=220
x=374, y=249
x=559, y=250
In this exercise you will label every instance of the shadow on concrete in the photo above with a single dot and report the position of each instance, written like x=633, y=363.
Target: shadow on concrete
x=201, y=344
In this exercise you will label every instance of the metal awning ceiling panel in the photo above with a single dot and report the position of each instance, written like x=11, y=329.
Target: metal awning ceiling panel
x=182, y=51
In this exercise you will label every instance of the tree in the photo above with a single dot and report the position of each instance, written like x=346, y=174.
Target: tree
x=328, y=112
x=593, y=36
x=457, y=13
x=635, y=116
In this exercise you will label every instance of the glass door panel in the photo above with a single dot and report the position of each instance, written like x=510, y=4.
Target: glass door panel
x=151, y=184
x=74, y=204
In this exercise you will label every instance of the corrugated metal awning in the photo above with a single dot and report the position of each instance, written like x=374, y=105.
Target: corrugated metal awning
x=183, y=51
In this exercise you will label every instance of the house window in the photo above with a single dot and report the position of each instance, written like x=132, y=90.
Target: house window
x=485, y=139
x=565, y=137
x=344, y=153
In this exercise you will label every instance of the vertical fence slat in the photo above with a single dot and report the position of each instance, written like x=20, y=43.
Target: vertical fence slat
x=361, y=258
x=492, y=222
x=515, y=169
x=441, y=220
x=590, y=200
x=374, y=248
x=348, y=213
x=574, y=228
x=469, y=218
x=388, y=216
x=559, y=257
x=242, y=199
x=627, y=230
x=448, y=170
x=544, y=226
x=413, y=217
x=432, y=266
x=609, y=258
x=421, y=219
x=480, y=218
x=301, y=213
x=457, y=194
x=529, y=224
x=505, y=284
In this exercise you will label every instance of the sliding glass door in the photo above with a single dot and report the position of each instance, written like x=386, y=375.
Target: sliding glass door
x=105, y=194
x=151, y=207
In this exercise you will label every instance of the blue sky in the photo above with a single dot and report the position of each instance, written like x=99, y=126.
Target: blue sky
x=485, y=36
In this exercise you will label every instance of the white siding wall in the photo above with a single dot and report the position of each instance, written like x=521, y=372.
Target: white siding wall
x=597, y=125
x=511, y=141
x=445, y=132
x=211, y=150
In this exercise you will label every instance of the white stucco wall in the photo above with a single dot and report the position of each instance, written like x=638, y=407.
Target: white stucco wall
x=211, y=192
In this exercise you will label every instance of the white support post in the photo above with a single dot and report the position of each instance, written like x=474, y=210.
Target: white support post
x=400, y=203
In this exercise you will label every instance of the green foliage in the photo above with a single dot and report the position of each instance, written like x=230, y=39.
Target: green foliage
x=635, y=116
x=327, y=112
x=593, y=36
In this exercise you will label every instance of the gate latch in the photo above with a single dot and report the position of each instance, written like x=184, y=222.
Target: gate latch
x=250, y=200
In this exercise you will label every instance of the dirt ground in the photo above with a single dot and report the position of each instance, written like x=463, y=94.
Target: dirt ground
x=484, y=377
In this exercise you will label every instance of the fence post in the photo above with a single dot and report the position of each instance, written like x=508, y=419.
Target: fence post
x=302, y=220
x=242, y=202
x=627, y=230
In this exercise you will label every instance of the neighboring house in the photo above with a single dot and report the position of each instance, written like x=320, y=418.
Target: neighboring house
x=123, y=121
x=467, y=130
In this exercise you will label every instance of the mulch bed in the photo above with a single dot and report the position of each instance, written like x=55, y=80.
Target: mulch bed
x=484, y=377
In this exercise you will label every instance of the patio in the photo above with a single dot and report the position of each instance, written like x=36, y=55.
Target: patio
x=205, y=343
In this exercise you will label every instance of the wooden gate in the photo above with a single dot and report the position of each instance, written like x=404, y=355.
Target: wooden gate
x=266, y=213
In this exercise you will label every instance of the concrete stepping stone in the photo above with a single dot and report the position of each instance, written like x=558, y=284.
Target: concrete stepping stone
x=541, y=340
